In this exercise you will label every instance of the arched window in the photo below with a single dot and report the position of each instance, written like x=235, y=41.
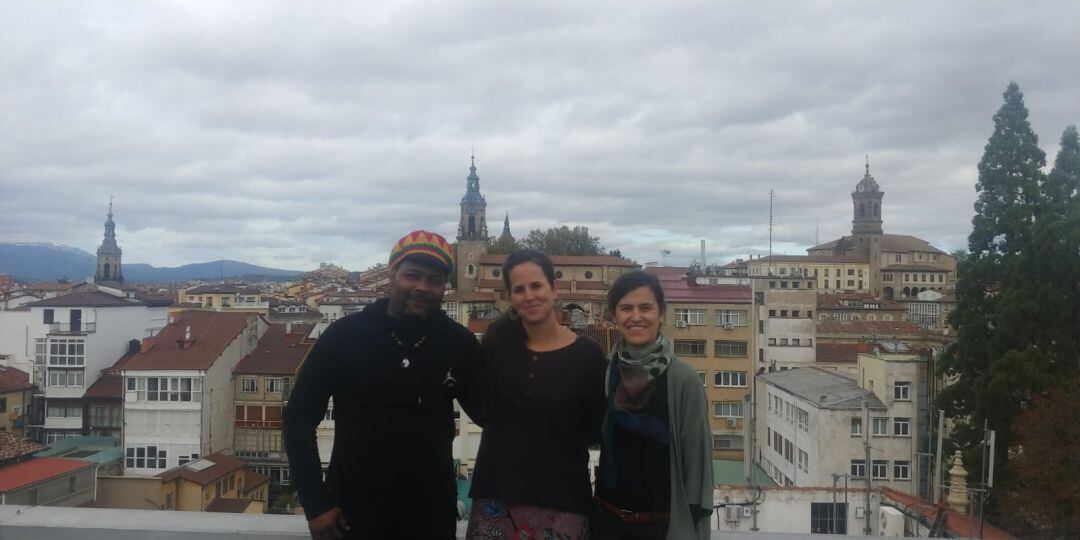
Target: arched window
x=877, y=209
x=862, y=210
x=472, y=225
x=906, y=292
x=105, y=271
x=888, y=292
x=471, y=270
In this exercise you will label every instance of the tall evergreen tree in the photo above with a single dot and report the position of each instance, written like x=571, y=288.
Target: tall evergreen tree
x=1062, y=187
x=1002, y=356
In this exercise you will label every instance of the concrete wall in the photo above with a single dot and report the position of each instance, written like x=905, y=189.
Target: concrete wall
x=132, y=492
x=788, y=510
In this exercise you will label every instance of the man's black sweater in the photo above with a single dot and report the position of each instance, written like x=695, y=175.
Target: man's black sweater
x=391, y=469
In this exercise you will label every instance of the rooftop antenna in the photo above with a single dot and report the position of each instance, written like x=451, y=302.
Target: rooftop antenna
x=771, y=197
x=817, y=231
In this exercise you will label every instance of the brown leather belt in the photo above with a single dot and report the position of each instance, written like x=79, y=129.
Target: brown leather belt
x=627, y=516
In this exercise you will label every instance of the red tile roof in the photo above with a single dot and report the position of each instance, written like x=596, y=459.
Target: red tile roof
x=683, y=290
x=667, y=270
x=12, y=379
x=253, y=479
x=230, y=506
x=222, y=465
x=878, y=328
x=958, y=523
x=211, y=333
x=277, y=353
x=836, y=301
x=13, y=446
x=87, y=299
x=568, y=260
x=841, y=352
x=109, y=386
x=37, y=470
x=50, y=286
x=479, y=326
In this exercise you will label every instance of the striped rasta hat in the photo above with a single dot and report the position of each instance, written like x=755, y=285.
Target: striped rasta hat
x=428, y=246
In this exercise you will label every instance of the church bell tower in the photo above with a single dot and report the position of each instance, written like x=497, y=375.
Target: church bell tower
x=866, y=205
x=472, y=235
x=108, y=254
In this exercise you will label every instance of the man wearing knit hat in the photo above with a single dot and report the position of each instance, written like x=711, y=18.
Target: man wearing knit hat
x=392, y=370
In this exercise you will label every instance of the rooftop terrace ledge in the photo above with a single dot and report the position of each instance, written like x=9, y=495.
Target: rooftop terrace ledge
x=61, y=523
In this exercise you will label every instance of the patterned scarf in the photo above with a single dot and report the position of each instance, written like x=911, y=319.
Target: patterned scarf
x=638, y=367
x=628, y=386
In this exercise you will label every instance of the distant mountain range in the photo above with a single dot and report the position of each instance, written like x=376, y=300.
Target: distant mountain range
x=44, y=261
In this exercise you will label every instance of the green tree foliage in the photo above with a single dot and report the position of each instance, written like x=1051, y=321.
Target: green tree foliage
x=504, y=246
x=564, y=241
x=1017, y=288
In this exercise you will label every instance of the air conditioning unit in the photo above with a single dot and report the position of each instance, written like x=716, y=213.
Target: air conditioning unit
x=731, y=422
x=732, y=513
x=729, y=326
x=680, y=324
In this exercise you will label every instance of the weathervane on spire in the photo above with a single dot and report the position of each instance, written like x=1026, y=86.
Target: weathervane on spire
x=110, y=204
x=867, y=163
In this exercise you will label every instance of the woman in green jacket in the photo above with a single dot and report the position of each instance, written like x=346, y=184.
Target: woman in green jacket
x=655, y=477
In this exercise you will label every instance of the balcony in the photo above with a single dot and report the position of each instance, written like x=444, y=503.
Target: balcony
x=72, y=329
x=259, y=424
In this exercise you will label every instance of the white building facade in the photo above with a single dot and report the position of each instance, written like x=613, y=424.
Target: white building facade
x=812, y=424
x=175, y=411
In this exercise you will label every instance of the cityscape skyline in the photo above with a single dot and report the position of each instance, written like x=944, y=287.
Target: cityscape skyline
x=654, y=127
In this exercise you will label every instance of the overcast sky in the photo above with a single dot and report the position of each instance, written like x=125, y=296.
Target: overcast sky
x=291, y=133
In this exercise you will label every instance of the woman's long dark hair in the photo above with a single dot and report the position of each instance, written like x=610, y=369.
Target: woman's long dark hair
x=502, y=349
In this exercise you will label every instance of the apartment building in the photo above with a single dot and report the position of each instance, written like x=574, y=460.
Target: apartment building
x=64, y=342
x=262, y=382
x=179, y=391
x=832, y=273
x=15, y=395
x=813, y=423
x=710, y=327
x=785, y=329
x=224, y=297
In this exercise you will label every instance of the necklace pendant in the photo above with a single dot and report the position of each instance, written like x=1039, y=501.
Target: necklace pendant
x=404, y=363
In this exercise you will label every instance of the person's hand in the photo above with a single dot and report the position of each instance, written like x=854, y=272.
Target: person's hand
x=329, y=526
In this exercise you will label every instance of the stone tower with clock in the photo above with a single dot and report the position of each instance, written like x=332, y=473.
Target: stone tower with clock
x=472, y=235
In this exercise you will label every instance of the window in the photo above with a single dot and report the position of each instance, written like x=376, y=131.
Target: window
x=783, y=284
x=588, y=274
x=47, y=316
x=727, y=442
x=730, y=378
x=802, y=418
x=167, y=388
x=730, y=348
x=273, y=385
x=249, y=384
x=804, y=461
x=3, y=404
x=789, y=451
x=851, y=283
x=783, y=341
x=144, y=457
x=902, y=391
x=856, y=426
x=851, y=272
x=772, y=312
x=783, y=313
x=772, y=341
x=66, y=378
x=795, y=313
x=886, y=277
x=67, y=351
x=690, y=347
x=858, y=468
x=692, y=317
x=901, y=470
x=828, y=518
x=794, y=342
x=701, y=375
x=731, y=317
x=879, y=469
x=881, y=426
x=41, y=350
x=901, y=427
x=727, y=409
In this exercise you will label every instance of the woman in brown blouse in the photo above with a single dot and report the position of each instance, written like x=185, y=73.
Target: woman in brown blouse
x=543, y=390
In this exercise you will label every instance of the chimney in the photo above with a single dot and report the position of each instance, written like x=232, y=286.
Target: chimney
x=288, y=328
x=147, y=344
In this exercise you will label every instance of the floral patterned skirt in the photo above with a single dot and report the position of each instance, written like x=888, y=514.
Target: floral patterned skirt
x=492, y=519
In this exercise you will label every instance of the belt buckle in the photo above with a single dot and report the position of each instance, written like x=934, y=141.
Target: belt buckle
x=625, y=515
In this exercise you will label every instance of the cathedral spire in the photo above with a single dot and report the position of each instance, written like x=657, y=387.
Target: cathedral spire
x=506, y=236
x=109, y=254
x=866, y=204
